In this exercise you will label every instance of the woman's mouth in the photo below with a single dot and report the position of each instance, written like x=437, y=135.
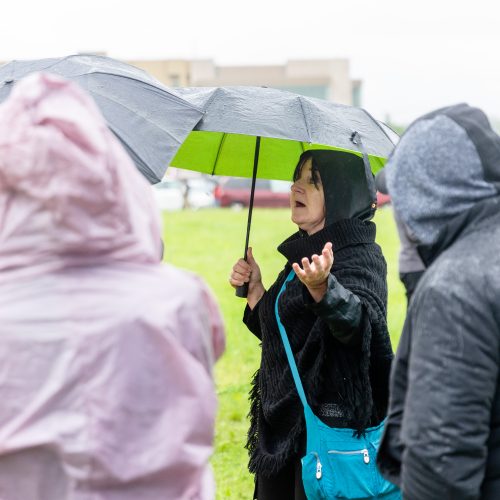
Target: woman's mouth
x=299, y=204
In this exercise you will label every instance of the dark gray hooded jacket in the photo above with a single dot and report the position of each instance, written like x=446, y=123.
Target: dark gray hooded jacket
x=442, y=438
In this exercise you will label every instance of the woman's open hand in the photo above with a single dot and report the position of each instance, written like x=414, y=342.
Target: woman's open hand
x=314, y=273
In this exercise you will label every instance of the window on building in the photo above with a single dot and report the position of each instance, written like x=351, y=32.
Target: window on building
x=175, y=80
x=319, y=91
x=356, y=93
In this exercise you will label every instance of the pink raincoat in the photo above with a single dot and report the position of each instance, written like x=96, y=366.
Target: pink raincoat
x=106, y=389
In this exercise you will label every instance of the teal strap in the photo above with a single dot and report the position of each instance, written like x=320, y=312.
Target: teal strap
x=286, y=344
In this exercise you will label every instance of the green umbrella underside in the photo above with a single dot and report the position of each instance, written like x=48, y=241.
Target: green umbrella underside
x=219, y=153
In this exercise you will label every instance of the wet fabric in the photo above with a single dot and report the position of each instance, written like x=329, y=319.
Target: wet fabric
x=106, y=355
x=442, y=434
x=437, y=171
x=149, y=119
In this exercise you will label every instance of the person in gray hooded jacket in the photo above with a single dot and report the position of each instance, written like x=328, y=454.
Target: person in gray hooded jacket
x=411, y=267
x=442, y=436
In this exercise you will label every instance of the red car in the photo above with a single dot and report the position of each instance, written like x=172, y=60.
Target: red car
x=235, y=192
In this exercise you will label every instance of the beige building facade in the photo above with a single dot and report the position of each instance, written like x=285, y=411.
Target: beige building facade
x=323, y=78
x=326, y=79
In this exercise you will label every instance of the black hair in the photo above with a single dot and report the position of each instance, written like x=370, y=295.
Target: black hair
x=306, y=155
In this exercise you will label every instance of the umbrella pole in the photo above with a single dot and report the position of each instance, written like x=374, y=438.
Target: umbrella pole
x=242, y=291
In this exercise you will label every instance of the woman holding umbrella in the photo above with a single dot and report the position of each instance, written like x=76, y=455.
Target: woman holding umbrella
x=334, y=314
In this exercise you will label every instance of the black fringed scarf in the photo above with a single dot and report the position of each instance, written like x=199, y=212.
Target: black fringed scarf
x=357, y=377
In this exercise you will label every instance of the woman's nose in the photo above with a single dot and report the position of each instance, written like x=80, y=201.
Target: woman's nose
x=296, y=188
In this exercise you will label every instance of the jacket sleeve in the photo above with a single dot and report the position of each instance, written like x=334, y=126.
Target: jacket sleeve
x=340, y=309
x=252, y=320
x=390, y=451
x=452, y=379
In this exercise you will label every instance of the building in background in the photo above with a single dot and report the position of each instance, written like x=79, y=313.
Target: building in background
x=324, y=78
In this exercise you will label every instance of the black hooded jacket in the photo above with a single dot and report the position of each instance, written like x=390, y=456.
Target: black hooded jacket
x=442, y=437
x=341, y=344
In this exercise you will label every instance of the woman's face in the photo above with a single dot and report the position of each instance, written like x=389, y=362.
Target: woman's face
x=308, y=201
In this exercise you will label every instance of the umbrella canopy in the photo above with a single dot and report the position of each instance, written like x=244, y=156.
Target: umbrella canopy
x=150, y=120
x=261, y=132
x=223, y=142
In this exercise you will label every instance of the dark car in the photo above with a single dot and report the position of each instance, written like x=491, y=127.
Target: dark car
x=235, y=192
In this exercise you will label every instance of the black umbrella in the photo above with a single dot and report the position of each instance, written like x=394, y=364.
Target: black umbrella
x=150, y=120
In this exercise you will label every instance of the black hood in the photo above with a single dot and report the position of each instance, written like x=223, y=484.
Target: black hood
x=345, y=184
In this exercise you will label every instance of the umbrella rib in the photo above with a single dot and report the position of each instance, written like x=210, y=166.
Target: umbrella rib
x=221, y=144
x=210, y=99
x=165, y=89
x=305, y=119
x=179, y=100
x=136, y=113
x=378, y=125
x=125, y=142
x=57, y=62
x=156, y=85
x=46, y=68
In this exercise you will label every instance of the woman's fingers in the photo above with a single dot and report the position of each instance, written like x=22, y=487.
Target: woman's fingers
x=318, y=262
x=237, y=278
x=240, y=273
x=297, y=269
x=327, y=254
x=306, y=265
x=328, y=250
x=255, y=269
x=235, y=282
x=242, y=267
x=250, y=256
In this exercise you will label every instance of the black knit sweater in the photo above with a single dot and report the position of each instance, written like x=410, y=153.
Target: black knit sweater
x=353, y=375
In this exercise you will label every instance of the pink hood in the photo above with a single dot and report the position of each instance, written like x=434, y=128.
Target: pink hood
x=68, y=190
x=106, y=355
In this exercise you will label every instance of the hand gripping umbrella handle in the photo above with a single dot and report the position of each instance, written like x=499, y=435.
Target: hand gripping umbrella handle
x=242, y=291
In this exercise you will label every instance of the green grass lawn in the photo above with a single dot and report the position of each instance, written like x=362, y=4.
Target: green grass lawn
x=208, y=243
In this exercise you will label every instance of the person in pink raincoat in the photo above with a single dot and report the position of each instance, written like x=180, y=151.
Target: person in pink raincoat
x=106, y=355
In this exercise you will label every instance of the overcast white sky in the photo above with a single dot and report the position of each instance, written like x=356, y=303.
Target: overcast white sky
x=413, y=56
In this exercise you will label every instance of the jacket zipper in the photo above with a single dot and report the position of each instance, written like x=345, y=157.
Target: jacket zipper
x=364, y=451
